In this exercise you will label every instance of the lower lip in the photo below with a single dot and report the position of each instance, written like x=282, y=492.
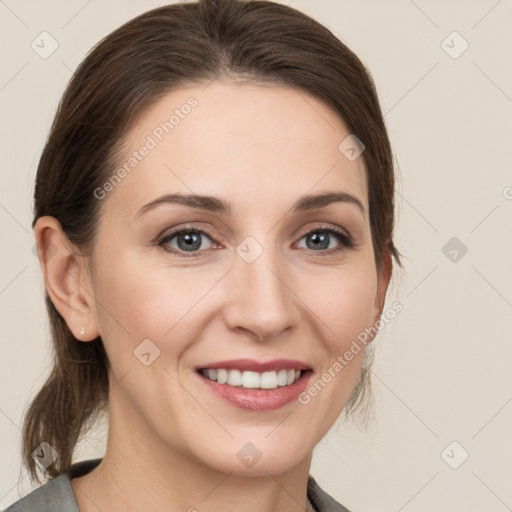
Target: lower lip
x=258, y=399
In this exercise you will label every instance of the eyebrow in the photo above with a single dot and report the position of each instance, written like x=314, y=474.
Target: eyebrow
x=219, y=205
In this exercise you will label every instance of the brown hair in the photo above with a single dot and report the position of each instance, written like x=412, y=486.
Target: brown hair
x=125, y=73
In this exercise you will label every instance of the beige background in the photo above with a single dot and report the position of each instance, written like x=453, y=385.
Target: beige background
x=443, y=364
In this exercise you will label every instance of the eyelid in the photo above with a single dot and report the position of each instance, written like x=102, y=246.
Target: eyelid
x=325, y=226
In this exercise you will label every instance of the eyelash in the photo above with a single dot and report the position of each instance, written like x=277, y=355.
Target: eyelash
x=346, y=242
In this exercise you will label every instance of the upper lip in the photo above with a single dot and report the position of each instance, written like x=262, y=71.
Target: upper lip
x=257, y=366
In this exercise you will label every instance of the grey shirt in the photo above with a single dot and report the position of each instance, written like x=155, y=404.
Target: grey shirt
x=57, y=494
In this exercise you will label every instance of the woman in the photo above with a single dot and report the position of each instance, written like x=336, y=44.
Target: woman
x=214, y=220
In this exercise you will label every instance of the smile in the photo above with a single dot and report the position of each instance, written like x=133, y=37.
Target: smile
x=252, y=384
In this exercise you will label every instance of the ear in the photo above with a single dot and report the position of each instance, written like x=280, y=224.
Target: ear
x=67, y=278
x=383, y=278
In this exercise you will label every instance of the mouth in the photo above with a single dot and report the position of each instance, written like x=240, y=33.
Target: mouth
x=254, y=385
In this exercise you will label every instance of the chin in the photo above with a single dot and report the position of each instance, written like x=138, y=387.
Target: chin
x=256, y=458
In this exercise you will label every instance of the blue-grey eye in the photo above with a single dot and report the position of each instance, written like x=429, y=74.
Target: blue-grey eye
x=319, y=239
x=186, y=240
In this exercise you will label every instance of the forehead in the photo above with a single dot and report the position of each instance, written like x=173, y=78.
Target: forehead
x=254, y=144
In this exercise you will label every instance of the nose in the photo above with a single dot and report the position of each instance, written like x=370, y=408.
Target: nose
x=261, y=298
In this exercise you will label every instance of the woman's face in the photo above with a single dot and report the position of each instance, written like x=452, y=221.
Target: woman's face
x=258, y=280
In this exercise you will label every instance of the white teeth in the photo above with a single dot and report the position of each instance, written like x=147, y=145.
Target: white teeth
x=253, y=380
x=282, y=377
x=268, y=380
x=234, y=378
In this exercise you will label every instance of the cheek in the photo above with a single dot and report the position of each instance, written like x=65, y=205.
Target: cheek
x=144, y=302
x=344, y=302
x=344, y=308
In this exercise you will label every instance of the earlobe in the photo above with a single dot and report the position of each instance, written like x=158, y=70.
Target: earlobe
x=66, y=278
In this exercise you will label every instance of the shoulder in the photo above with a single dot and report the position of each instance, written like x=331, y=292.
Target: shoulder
x=55, y=495
x=320, y=500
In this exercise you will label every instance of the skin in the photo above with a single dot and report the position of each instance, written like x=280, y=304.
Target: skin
x=259, y=147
